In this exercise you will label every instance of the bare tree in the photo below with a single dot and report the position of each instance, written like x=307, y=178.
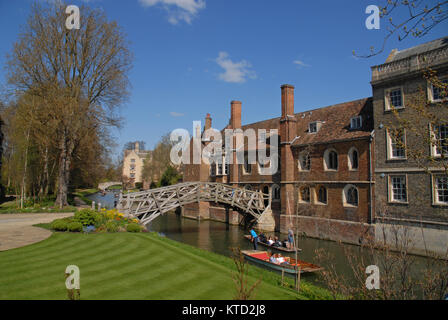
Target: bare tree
x=405, y=18
x=81, y=75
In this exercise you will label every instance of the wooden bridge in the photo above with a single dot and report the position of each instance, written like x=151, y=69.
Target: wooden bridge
x=149, y=204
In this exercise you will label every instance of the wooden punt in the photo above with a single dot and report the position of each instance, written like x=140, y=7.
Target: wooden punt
x=262, y=257
x=248, y=237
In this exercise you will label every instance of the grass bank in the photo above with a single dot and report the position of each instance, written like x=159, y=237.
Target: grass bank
x=83, y=194
x=130, y=266
x=45, y=206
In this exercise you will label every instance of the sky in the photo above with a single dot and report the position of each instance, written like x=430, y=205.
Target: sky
x=192, y=57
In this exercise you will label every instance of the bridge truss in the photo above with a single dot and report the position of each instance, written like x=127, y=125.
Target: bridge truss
x=149, y=204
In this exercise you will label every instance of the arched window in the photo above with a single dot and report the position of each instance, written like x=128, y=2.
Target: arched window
x=275, y=192
x=330, y=159
x=247, y=166
x=304, y=161
x=304, y=194
x=350, y=195
x=353, y=159
x=322, y=195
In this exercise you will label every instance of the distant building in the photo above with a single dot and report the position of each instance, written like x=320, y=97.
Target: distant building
x=133, y=162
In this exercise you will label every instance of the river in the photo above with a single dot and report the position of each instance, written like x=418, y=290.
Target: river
x=219, y=237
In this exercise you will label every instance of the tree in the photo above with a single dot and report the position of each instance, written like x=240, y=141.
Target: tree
x=80, y=77
x=158, y=160
x=170, y=177
x=409, y=17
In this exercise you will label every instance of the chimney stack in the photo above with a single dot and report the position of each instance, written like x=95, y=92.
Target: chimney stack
x=208, y=122
x=137, y=147
x=235, y=114
x=287, y=100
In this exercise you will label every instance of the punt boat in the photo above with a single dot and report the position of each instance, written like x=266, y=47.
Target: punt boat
x=262, y=257
x=248, y=237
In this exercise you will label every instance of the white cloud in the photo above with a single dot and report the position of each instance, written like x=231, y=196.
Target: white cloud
x=178, y=10
x=300, y=63
x=235, y=72
x=176, y=114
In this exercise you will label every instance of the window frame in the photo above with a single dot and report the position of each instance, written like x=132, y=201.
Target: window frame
x=389, y=151
x=273, y=188
x=309, y=194
x=301, y=155
x=360, y=122
x=316, y=126
x=246, y=161
x=326, y=159
x=350, y=159
x=435, y=195
x=345, y=191
x=390, y=189
x=431, y=91
x=317, y=190
x=434, y=152
x=387, y=92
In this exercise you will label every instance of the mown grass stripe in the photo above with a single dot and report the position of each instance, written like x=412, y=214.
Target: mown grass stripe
x=125, y=266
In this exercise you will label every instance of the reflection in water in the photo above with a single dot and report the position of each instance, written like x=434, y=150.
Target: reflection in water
x=219, y=237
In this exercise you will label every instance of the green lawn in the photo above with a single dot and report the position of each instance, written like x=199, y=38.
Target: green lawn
x=129, y=266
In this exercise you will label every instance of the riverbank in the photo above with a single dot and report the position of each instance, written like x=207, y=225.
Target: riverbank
x=131, y=266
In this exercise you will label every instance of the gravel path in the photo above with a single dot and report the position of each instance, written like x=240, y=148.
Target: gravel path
x=16, y=229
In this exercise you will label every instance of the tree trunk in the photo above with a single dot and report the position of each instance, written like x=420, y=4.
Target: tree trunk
x=25, y=165
x=64, y=172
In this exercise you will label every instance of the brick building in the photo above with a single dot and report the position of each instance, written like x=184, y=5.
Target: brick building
x=325, y=166
x=339, y=170
x=411, y=184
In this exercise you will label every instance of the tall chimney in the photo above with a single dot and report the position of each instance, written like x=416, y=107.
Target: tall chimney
x=235, y=123
x=288, y=131
x=208, y=122
x=287, y=100
x=235, y=114
x=137, y=147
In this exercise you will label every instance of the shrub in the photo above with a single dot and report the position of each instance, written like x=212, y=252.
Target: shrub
x=86, y=217
x=59, y=225
x=133, y=227
x=111, y=226
x=74, y=226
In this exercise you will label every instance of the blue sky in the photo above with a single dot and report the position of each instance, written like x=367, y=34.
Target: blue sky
x=192, y=57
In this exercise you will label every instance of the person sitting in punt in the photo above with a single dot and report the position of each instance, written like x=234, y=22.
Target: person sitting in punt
x=273, y=259
x=282, y=260
x=270, y=241
x=277, y=243
x=262, y=238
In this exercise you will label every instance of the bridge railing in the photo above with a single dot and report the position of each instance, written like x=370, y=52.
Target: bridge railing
x=148, y=204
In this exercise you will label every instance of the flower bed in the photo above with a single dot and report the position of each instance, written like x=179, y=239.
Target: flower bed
x=87, y=220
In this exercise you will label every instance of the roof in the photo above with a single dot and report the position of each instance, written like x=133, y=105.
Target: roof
x=335, y=123
x=422, y=48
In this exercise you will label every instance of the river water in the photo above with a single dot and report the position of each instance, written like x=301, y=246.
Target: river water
x=220, y=237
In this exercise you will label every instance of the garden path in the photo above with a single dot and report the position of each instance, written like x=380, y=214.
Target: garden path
x=16, y=229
